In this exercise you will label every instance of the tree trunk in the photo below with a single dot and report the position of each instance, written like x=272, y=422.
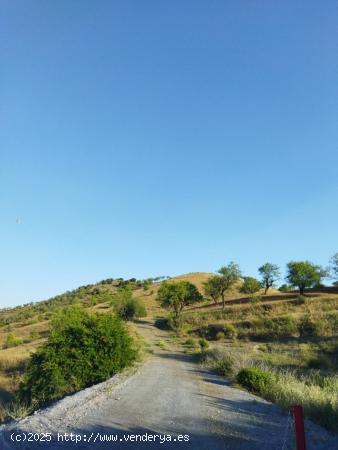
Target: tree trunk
x=266, y=289
x=301, y=290
x=223, y=301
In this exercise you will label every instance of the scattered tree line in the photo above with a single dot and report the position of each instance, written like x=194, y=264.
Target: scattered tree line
x=175, y=296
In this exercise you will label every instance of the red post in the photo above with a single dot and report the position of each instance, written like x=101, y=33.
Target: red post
x=297, y=411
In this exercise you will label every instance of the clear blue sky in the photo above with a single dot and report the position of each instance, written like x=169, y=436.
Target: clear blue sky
x=145, y=138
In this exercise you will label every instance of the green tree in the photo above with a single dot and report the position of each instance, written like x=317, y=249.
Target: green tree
x=250, y=285
x=229, y=276
x=304, y=274
x=270, y=274
x=212, y=288
x=81, y=350
x=176, y=295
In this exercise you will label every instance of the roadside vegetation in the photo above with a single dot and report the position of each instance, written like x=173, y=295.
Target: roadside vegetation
x=280, y=343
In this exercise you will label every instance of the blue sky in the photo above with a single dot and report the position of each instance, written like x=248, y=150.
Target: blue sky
x=164, y=137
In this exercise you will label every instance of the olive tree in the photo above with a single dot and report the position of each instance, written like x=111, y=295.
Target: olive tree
x=250, y=285
x=228, y=275
x=212, y=288
x=269, y=275
x=304, y=274
x=176, y=295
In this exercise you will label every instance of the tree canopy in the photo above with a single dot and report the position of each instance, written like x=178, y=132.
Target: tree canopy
x=250, y=285
x=176, y=295
x=228, y=275
x=304, y=274
x=269, y=275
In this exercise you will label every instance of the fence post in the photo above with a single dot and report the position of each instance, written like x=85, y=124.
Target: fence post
x=297, y=411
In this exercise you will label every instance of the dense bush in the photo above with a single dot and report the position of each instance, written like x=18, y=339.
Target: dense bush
x=255, y=379
x=82, y=350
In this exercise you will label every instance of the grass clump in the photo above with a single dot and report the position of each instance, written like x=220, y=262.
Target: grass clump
x=82, y=350
x=160, y=344
x=225, y=366
x=190, y=342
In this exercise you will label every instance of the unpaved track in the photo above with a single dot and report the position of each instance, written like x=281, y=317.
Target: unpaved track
x=168, y=394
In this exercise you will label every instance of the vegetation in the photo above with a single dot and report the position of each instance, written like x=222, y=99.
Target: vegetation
x=126, y=306
x=175, y=296
x=212, y=288
x=12, y=341
x=304, y=274
x=229, y=276
x=255, y=379
x=293, y=337
x=82, y=349
x=270, y=274
x=250, y=285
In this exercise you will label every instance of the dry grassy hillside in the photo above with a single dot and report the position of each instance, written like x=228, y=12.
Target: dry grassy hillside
x=282, y=330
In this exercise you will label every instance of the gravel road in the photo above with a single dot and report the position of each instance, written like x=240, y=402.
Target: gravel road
x=167, y=395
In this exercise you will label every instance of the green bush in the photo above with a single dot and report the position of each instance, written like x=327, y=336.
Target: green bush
x=126, y=306
x=229, y=331
x=82, y=350
x=204, y=344
x=285, y=288
x=130, y=309
x=12, y=341
x=254, y=379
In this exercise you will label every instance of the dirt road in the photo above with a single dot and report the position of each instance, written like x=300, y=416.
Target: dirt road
x=169, y=395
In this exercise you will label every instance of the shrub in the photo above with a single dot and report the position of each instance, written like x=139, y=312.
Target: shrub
x=254, y=298
x=204, y=344
x=309, y=327
x=190, y=342
x=82, y=350
x=254, y=379
x=130, y=309
x=12, y=341
x=285, y=288
x=320, y=362
x=34, y=335
x=225, y=366
x=220, y=336
x=229, y=331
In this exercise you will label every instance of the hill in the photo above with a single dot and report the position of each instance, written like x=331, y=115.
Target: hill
x=281, y=331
